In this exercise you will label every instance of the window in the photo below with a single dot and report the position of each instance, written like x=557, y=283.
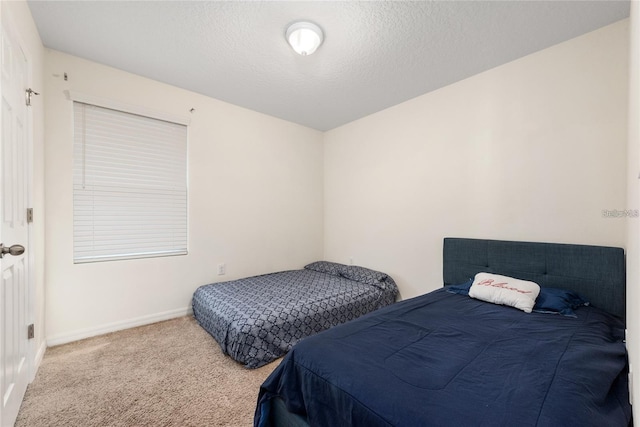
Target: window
x=129, y=185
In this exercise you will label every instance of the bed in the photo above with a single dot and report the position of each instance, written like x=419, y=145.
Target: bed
x=446, y=359
x=258, y=319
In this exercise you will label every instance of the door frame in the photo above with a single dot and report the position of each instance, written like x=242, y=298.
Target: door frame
x=31, y=276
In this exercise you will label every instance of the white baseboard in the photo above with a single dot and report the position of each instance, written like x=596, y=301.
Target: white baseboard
x=37, y=360
x=117, y=326
x=40, y=355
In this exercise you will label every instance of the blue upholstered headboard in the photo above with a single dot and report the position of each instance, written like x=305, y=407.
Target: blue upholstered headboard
x=595, y=272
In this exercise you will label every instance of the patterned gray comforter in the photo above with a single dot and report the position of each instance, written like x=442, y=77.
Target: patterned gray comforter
x=258, y=319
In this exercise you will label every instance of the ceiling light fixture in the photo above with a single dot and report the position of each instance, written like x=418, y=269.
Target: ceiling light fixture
x=304, y=37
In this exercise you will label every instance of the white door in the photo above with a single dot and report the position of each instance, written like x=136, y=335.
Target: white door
x=13, y=227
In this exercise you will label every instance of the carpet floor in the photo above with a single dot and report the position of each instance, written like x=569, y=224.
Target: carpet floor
x=170, y=373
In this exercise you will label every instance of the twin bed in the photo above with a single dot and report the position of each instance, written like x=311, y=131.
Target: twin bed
x=445, y=359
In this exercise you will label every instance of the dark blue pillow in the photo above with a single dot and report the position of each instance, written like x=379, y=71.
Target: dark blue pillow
x=558, y=301
x=462, y=289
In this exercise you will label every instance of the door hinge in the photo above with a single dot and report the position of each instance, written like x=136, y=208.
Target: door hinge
x=29, y=214
x=30, y=332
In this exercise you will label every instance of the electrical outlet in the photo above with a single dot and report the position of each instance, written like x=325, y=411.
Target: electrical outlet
x=222, y=269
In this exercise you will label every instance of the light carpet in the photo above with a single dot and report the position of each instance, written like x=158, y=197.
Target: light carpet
x=170, y=373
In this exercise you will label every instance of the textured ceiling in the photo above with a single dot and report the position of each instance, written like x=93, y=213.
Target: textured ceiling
x=375, y=54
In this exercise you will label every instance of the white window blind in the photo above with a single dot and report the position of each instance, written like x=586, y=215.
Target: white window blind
x=129, y=185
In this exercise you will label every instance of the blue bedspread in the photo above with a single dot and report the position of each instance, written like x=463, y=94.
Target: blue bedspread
x=258, y=319
x=448, y=360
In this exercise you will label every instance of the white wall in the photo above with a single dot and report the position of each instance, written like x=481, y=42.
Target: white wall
x=633, y=202
x=531, y=150
x=255, y=203
x=20, y=17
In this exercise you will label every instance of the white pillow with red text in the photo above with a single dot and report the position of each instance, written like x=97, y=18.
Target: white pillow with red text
x=505, y=290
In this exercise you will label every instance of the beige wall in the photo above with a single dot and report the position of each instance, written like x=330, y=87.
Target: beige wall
x=531, y=150
x=633, y=202
x=255, y=203
x=20, y=17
